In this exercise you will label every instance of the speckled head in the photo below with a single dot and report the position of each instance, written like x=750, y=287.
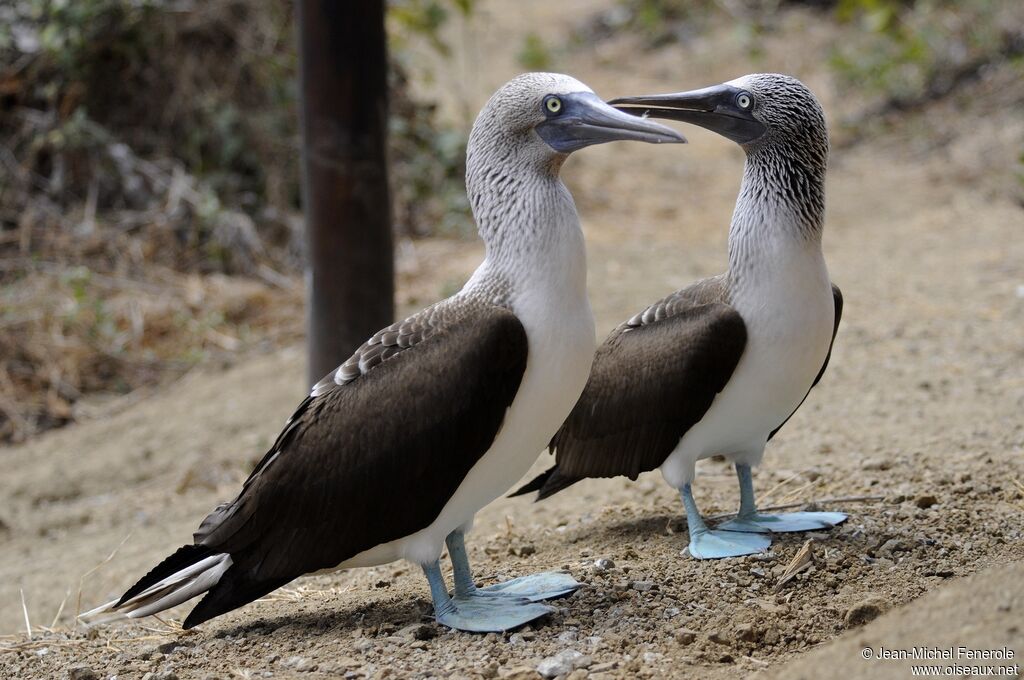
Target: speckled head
x=757, y=111
x=556, y=114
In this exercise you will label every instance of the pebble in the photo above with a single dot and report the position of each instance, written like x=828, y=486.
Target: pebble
x=643, y=586
x=603, y=564
x=686, y=636
x=876, y=464
x=563, y=663
x=718, y=637
x=925, y=501
x=522, y=673
x=864, y=611
x=568, y=637
x=162, y=675
x=418, y=631
x=604, y=667
x=299, y=664
x=82, y=673
x=746, y=632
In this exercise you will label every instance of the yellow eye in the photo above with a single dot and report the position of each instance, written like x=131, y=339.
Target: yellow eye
x=553, y=104
x=744, y=101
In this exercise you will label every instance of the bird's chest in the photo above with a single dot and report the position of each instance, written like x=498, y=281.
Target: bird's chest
x=790, y=321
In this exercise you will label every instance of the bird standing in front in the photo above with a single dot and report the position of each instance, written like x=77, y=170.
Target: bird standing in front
x=391, y=455
x=718, y=367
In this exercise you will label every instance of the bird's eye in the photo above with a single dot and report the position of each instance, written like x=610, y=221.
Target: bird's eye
x=553, y=105
x=744, y=100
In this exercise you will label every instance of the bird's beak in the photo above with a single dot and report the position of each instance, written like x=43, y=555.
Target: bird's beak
x=585, y=120
x=714, y=108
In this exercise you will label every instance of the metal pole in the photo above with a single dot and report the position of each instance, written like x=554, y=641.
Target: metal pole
x=350, y=268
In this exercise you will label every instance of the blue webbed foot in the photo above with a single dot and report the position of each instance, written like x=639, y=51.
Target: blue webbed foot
x=783, y=522
x=535, y=587
x=488, y=614
x=710, y=545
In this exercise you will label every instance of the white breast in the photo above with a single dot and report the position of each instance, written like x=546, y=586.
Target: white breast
x=559, y=324
x=789, y=312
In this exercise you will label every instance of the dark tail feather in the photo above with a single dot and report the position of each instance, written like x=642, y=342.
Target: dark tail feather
x=184, y=557
x=232, y=591
x=546, y=484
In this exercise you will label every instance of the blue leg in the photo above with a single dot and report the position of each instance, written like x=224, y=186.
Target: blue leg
x=749, y=520
x=479, y=614
x=706, y=544
x=535, y=587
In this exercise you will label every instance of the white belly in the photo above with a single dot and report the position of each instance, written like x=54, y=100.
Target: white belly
x=561, y=353
x=787, y=343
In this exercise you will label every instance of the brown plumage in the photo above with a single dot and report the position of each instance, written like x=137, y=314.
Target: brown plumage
x=653, y=378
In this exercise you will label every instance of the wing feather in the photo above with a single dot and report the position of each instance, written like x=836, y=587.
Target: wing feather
x=371, y=459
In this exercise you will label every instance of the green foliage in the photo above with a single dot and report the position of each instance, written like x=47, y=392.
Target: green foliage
x=909, y=50
x=180, y=123
x=534, y=54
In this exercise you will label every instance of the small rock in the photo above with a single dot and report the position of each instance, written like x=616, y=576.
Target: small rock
x=604, y=667
x=489, y=671
x=82, y=672
x=865, y=611
x=685, y=636
x=603, y=564
x=527, y=550
x=418, y=631
x=893, y=545
x=516, y=639
x=522, y=673
x=562, y=663
x=643, y=586
x=300, y=664
x=671, y=612
x=568, y=637
x=718, y=637
x=747, y=632
x=876, y=464
x=925, y=501
x=578, y=674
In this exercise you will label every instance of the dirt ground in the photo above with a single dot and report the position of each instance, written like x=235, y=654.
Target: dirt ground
x=918, y=417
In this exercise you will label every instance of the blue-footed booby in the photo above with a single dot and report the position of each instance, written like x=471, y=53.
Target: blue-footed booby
x=391, y=455
x=718, y=367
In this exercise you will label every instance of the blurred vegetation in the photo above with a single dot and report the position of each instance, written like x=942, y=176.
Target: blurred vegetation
x=534, y=55
x=908, y=52
x=903, y=53
x=146, y=148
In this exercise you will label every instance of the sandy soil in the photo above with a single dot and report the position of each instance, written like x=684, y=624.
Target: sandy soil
x=920, y=412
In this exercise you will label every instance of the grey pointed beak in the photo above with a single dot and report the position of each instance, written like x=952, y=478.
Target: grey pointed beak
x=713, y=108
x=585, y=120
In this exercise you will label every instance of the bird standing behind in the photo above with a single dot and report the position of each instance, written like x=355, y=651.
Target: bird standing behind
x=391, y=455
x=718, y=367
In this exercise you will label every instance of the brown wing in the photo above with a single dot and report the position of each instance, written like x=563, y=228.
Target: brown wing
x=653, y=378
x=837, y=295
x=372, y=459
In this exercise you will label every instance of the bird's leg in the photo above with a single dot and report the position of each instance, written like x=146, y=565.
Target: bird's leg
x=535, y=587
x=476, y=614
x=707, y=544
x=464, y=584
x=749, y=520
x=443, y=605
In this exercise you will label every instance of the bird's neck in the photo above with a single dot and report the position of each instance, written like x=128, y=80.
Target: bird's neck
x=528, y=222
x=778, y=219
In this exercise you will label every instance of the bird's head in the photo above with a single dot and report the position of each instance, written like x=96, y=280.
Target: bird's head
x=550, y=114
x=756, y=111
